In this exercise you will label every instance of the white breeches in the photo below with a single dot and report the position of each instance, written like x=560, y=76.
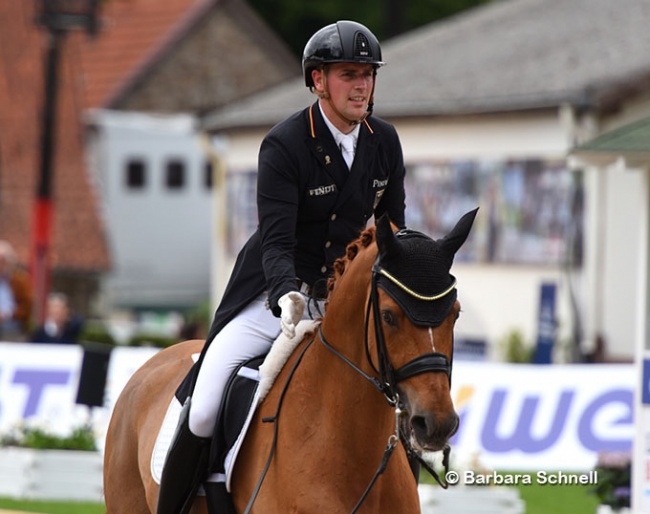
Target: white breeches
x=248, y=335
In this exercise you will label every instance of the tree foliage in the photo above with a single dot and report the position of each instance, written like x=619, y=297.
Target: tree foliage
x=295, y=21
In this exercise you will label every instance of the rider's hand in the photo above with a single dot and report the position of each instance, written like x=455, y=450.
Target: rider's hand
x=293, y=306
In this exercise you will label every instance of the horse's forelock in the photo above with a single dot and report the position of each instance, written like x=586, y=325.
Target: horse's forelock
x=366, y=238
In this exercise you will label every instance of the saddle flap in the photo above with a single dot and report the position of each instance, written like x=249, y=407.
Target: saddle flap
x=235, y=409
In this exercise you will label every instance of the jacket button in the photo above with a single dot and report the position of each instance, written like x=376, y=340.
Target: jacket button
x=328, y=244
x=323, y=269
x=333, y=217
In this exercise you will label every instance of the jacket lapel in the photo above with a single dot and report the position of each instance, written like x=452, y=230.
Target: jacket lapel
x=364, y=156
x=322, y=145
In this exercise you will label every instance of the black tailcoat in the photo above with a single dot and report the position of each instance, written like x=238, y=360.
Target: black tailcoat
x=310, y=206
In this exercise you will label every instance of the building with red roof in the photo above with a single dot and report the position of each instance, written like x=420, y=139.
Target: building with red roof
x=173, y=56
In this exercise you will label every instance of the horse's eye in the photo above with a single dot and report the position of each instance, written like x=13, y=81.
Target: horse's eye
x=388, y=318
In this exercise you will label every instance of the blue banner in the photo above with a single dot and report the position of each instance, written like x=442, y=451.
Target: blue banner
x=546, y=325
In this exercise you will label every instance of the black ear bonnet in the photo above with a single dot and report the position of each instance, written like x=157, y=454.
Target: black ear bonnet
x=414, y=270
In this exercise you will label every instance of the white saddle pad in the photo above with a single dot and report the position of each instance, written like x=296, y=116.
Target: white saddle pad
x=282, y=348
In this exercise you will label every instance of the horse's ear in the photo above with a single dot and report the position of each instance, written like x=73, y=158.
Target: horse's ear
x=458, y=235
x=385, y=236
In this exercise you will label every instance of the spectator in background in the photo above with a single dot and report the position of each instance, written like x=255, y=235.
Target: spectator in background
x=15, y=296
x=61, y=326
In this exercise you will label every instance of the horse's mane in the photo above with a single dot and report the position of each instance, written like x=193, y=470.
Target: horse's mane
x=365, y=239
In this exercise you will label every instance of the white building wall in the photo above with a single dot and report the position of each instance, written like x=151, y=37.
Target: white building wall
x=624, y=204
x=160, y=238
x=483, y=137
x=641, y=457
x=498, y=298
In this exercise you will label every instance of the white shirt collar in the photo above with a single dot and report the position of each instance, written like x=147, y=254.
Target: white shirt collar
x=338, y=135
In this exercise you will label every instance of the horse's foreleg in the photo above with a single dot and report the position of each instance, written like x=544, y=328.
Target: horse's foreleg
x=124, y=491
x=124, y=494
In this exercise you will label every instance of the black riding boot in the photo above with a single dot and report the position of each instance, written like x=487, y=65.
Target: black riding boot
x=184, y=470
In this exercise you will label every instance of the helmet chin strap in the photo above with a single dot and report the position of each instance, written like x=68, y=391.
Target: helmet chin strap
x=371, y=103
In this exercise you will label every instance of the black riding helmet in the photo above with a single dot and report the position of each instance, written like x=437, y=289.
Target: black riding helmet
x=343, y=41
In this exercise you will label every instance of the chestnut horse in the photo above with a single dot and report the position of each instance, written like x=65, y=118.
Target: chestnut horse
x=325, y=439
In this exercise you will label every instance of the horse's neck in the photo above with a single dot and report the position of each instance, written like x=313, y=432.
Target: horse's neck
x=350, y=404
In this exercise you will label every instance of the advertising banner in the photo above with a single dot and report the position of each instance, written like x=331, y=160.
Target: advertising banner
x=513, y=416
x=528, y=417
x=39, y=385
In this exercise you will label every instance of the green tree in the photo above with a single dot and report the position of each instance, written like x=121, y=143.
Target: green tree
x=295, y=21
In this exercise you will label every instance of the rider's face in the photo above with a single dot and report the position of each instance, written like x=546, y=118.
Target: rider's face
x=349, y=86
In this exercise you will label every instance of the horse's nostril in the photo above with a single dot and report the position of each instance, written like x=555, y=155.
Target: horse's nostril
x=426, y=427
x=419, y=424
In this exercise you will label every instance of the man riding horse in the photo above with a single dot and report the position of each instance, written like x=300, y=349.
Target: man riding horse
x=323, y=173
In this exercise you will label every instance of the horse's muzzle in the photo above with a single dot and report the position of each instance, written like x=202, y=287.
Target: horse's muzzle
x=431, y=432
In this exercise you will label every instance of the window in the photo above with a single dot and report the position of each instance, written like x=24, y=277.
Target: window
x=136, y=176
x=175, y=174
x=208, y=179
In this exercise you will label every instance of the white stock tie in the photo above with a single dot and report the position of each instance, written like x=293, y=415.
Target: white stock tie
x=347, y=149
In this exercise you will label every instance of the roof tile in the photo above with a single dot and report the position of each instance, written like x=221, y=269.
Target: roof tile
x=132, y=32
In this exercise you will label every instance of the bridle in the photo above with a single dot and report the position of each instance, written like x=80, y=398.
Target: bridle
x=389, y=377
x=429, y=362
x=386, y=382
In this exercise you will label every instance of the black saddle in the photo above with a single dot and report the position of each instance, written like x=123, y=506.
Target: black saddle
x=233, y=413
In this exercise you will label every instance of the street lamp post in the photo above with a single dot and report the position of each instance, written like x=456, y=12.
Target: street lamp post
x=58, y=17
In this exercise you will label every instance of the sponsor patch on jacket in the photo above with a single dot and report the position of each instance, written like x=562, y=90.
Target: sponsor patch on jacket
x=323, y=190
x=378, y=196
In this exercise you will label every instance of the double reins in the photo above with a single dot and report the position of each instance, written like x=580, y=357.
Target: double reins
x=386, y=383
x=389, y=377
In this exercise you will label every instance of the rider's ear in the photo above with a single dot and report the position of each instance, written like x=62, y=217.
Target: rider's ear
x=385, y=236
x=317, y=79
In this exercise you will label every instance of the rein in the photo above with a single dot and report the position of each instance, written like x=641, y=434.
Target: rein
x=385, y=384
x=276, y=421
x=389, y=377
x=399, y=434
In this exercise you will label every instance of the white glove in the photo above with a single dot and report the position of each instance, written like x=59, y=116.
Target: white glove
x=293, y=307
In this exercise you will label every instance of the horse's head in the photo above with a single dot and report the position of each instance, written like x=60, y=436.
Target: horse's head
x=414, y=308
